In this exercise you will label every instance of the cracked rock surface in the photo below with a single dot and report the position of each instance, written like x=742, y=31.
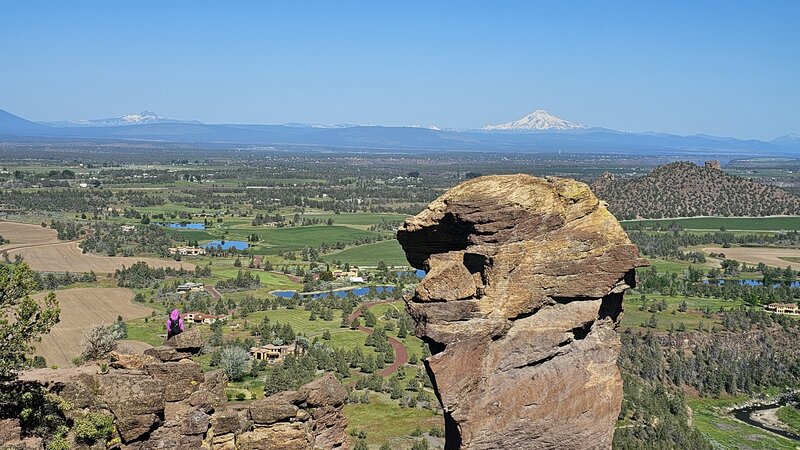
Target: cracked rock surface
x=523, y=293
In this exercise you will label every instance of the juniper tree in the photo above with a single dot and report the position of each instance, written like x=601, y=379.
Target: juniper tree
x=22, y=320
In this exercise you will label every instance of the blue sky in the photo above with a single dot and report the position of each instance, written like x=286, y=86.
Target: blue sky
x=727, y=68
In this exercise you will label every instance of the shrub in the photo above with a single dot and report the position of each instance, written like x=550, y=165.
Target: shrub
x=94, y=427
x=235, y=361
x=98, y=341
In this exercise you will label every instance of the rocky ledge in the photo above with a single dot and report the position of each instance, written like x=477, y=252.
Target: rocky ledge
x=523, y=293
x=163, y=400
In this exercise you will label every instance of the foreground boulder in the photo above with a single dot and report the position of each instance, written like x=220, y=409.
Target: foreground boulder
x=309, y=418
x=523, y=292
x=172, y=405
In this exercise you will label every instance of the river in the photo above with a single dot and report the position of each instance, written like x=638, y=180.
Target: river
x=764, y=417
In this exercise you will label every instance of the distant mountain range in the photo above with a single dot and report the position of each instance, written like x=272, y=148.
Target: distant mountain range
x=141, y=118
x=538, y=132
x=539, y=120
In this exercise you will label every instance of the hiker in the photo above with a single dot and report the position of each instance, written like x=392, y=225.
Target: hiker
x=174, y=324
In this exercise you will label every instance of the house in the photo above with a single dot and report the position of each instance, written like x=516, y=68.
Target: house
x=783, y=308
x=274, y=353
x=197, y=317
x=353, y=272
x=190, y=287
x=187, y=251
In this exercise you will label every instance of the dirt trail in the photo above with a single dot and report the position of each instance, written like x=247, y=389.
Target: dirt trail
x=400, y=352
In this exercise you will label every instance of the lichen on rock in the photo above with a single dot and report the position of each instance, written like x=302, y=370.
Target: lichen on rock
x=524, y=285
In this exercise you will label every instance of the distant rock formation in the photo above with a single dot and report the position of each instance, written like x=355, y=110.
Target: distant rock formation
x=163, y=400
x=523, y=292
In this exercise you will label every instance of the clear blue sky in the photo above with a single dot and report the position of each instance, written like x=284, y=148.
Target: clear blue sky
x=728, y=68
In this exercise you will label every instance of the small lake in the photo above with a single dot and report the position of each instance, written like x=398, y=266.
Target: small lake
x=752, y=282
x=227, y=245
x=187, y=226
x=358, y=292
x=745, y=415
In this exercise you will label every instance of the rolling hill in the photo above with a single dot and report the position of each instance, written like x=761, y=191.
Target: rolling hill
x=684, y=189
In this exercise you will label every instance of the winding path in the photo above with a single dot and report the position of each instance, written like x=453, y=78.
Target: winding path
x=400, y=352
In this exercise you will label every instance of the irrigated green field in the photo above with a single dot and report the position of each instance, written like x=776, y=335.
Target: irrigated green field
x=388, y=251
x=787, y=223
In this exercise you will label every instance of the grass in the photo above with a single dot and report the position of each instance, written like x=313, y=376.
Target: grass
x=297, y=238
x=726, y=432
x=663, y=266
x=149, y=330
x=388, y=251
x=383, y=419
x=298, y=319
x=787, y=223
x=633, y=318
x=790, y=415
x=356, y=219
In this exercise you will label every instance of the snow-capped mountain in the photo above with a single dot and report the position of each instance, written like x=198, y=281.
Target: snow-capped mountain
x=539, y=120
x=141, y=118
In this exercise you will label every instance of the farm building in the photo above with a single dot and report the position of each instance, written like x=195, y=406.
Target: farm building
x=187, y=251
x=197, y=317
x=783, y=308
x=274, y=353
x=190, y=287
x=127, y=228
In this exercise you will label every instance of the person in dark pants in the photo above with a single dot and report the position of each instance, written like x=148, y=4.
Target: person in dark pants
x=174, y=324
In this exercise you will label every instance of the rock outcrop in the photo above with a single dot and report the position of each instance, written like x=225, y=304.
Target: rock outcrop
x=523, y=292
x=163, y=400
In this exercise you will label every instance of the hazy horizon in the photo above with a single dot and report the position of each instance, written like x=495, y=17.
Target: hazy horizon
x=683, y=68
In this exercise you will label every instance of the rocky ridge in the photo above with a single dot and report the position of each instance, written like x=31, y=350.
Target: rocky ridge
x=163, y=400
x=523, y=293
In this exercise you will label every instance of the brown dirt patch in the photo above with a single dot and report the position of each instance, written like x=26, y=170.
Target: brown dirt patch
x=67, y=257
x=23, y=234
x=81, y=308
x=754, y=255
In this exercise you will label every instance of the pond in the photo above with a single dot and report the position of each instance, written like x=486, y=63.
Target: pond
x=226, y=245
x=187, y=226
x=358, y=292
x=418, y=273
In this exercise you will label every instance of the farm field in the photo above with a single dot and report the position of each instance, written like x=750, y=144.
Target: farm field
x=388, y=251
x=775, y=257
x=21, y=234
x=67, y=257
x=778, y=223
x=80, y=309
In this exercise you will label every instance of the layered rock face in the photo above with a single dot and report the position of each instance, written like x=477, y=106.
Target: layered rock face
x=163, y=400
x=523, y=292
